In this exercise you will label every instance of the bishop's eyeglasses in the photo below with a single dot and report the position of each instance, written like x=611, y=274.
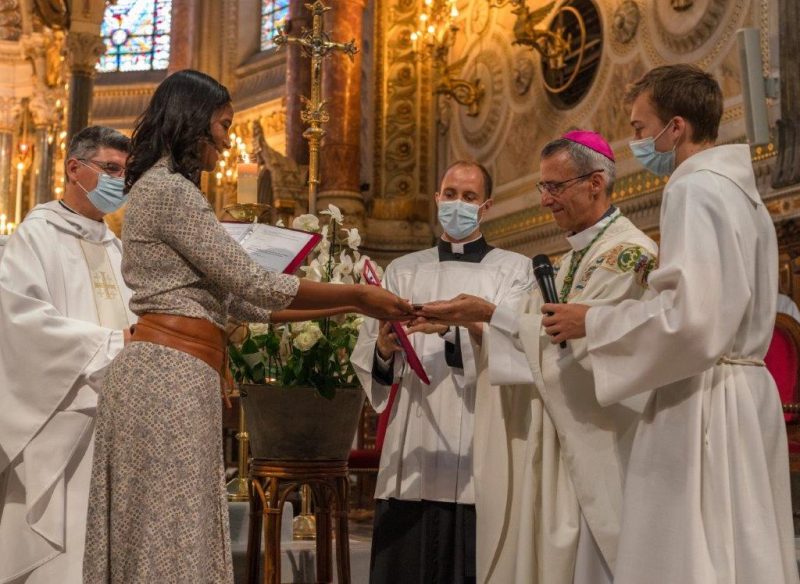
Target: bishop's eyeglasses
x=556, y=188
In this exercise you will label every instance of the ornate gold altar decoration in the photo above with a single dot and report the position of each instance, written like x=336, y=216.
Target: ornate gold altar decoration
x=316, y=44
x=554, y=43
x=434, y=37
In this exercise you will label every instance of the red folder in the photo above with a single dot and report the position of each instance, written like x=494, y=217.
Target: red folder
x=371, y=276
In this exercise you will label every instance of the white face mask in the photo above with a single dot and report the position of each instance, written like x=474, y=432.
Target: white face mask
x=659, y=163
x=458, y=218
x=108, y=195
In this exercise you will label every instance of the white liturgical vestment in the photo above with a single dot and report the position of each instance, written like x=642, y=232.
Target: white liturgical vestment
x=707, y=488
x=549, y=460
x=63, y=306
x=428, y=450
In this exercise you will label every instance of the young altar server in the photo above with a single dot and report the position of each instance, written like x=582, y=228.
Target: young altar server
x=707, y=489
x=64, y=316
x=425, y=513
x=549, y=459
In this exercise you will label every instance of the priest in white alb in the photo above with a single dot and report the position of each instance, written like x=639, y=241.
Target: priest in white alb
x=425, y=509
x=64, y=316
x=707, y=488
x=549, y=459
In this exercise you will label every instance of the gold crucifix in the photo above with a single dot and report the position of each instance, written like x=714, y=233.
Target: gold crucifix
x=107, y=288
x=315, y=43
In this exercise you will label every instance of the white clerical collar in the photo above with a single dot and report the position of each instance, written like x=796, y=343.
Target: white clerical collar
x=459, y=247
x=580, y=240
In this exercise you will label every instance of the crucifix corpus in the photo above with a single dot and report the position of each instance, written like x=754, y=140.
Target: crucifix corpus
x=315, y=43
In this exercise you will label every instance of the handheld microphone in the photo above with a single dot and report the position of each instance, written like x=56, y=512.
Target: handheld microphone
x=543, y=270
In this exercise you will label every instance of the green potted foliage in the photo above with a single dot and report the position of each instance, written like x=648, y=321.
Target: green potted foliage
x=300, y=394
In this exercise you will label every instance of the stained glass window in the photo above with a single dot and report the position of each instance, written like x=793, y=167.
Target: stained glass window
x=136, y=34
x=273, y=13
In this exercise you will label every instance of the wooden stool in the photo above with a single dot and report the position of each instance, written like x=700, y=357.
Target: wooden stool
x=271, y=482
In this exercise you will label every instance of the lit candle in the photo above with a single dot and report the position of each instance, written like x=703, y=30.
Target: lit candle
x=247, y=190
x=18, y=206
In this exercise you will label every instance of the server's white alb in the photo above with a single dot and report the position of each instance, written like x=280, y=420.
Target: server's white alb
x=707, y=488
x=427, y=452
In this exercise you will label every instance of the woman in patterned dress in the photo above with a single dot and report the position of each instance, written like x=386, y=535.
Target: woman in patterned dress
x=157, y=510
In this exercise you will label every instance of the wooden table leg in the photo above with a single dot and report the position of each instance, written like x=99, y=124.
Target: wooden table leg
x=272, y=533
x=342, y=530
x=322, y=499
x=254, y=533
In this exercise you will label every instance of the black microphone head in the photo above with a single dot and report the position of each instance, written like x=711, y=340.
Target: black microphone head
x=542, y=265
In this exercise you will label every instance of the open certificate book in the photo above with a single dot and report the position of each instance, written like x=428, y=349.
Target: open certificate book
x=276, y=249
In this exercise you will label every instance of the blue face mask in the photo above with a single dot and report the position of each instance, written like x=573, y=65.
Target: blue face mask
x=108, y=195
x=458, y=219
x=659, y=163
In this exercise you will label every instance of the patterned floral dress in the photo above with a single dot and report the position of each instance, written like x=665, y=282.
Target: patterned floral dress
x=157, y=508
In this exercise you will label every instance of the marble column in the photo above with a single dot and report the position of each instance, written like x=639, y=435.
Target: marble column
x=6, y=168
x=9, y=110
x=84, y=49
x=298, y=83
x=341, y=90
x=183, y=38
x=43, y=160
x=787, y=167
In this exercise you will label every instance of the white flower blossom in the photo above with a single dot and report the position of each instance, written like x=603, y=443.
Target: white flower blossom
x=280, y=223
x=358, y=268
x=353, y=237
x=335, y=213
x=308, y=338
x=298, y=327
x=306, y=222
x=324, y=245
x=258, y=328
x=314, y=271
x=285, y=348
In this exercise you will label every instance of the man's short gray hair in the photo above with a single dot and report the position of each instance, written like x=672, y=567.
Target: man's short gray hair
x=585, y=159
x=85, y=144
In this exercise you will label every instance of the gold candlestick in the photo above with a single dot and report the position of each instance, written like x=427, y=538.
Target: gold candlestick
x=316, y=44
x=239, y=487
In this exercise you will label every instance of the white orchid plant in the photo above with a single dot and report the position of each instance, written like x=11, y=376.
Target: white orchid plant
x=312, y=353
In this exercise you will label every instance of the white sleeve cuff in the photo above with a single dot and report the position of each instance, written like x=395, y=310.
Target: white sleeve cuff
x=506, y=320
x=450, y=335
x=95, y=371
x=384, y=364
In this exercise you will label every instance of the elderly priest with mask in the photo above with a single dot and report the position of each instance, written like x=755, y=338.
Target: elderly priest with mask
x=549, y=460
x=64, y=316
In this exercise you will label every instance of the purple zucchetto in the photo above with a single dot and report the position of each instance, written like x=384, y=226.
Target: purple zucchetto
x=591, y=140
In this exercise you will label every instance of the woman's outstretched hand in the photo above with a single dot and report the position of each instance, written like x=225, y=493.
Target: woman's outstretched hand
x=382, y=304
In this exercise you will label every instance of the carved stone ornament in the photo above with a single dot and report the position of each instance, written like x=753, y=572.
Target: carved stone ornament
x=626, y=21
x=10, y=108
x=84, y=51
x=523, y=74
x=10, y=20
x=695, y=23
x=681, y=5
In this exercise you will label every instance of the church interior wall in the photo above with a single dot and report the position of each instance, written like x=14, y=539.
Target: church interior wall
x=409, y=134
x=518, y=115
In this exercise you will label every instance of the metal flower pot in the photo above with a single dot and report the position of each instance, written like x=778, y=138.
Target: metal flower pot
x=296, y=423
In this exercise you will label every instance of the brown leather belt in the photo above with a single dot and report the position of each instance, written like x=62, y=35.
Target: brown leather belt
x=197, y=337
